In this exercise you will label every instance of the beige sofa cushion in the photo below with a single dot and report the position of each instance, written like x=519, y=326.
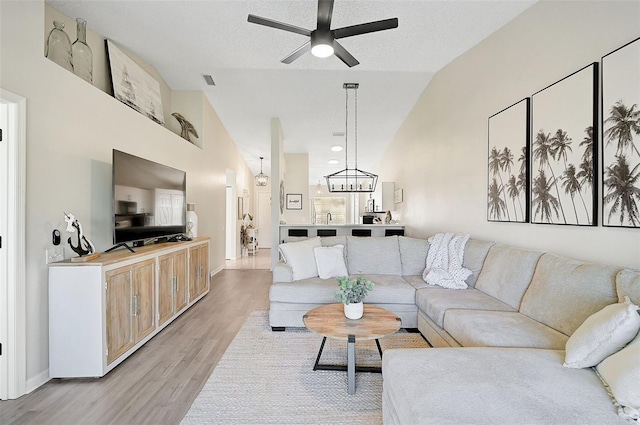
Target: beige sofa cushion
x=564, y=292
x=413, y=255
x=628, y=284
x=475, y=252
x=507, y=272
x=476, y=328
x=434, y=301
x=417, y=282
x=490, y=386
x=374, y=255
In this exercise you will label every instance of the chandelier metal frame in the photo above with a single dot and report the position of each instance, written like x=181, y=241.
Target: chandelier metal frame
x=350, y=180
x=262, y=178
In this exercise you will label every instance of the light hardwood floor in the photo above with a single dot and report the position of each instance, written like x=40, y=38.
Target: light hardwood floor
x=262, y=260
x=158, y=383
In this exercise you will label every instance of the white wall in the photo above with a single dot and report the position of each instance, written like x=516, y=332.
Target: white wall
x=439, y=155
x=71, y=129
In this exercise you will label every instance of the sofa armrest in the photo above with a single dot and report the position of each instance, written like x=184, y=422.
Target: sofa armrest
x=282, y=272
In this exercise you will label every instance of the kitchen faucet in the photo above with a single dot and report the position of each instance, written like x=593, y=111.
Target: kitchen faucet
x=328, y=217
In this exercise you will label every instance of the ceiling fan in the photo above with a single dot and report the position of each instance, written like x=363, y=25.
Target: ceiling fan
x=323, y=40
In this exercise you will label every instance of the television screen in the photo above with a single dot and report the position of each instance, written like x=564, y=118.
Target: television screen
x=149, y=199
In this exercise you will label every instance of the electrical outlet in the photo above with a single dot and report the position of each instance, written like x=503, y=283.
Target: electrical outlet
x=54, y=254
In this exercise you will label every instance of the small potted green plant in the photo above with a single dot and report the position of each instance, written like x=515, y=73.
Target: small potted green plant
x=351, y=294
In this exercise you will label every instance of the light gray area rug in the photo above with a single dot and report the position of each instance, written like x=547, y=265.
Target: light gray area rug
x=267, y=377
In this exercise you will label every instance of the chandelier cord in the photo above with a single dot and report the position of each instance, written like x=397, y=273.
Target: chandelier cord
x=346, y=128
x=356, y=122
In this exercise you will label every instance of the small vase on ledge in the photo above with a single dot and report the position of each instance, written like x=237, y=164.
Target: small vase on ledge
x=354, y=310
x=192, y=221
x=81, y=53
x=58, y=47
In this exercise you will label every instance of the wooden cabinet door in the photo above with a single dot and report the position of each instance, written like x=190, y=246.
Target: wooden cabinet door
x=119, y=312
x=194, y=267
x=182, y=286
x=204, y=269
x=144, y=300
x=198, y=271
x=165, y=288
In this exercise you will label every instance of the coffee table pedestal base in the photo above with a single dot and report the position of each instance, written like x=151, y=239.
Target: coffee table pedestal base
x=350, y=367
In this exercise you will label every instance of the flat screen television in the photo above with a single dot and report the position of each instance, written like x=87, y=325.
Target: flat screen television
x=149, y=200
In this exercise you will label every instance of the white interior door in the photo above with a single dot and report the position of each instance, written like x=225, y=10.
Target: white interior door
x=4, y=200
x=264, y=219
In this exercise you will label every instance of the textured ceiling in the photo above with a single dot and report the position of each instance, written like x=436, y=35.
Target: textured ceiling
x=184, y=39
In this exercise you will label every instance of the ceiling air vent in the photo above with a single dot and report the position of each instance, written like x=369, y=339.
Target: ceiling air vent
x=209, y=80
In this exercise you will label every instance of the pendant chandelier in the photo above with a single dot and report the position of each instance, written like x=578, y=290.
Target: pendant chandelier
x=351, y=180
x=262, y=178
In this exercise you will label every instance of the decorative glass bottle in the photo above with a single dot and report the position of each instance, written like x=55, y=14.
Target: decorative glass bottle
x=192, y=221
x=81, y=53
x=58, y=47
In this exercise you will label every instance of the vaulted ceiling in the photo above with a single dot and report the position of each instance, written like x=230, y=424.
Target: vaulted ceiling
x=184, y=39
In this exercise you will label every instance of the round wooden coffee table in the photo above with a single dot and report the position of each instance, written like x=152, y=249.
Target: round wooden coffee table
x=329, y=320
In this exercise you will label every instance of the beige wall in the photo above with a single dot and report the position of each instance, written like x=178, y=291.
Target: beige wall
x=439, y=155
x=72, y=128
x=296, y=181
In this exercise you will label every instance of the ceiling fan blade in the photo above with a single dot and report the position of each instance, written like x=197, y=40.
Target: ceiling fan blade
x=278, y=25
x=325, y=10
x=385, y=24
x=297, y=53
x=343, y=55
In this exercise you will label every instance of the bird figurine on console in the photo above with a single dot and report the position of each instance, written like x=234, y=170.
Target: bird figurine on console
x=187, y=128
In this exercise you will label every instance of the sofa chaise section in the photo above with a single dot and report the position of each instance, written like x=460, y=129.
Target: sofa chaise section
x=488, y=385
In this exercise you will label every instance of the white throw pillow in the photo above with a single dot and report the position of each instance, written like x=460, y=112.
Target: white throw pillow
x=299, y=255
x=621, y=372
x=602, y=334
x=330, y=261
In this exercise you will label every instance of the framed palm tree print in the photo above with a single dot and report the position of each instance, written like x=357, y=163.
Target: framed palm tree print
x=508, y=170
x=563, y=153
x=621, y=136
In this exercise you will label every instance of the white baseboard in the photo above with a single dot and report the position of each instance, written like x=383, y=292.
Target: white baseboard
x=215, y=272
x=37, y=381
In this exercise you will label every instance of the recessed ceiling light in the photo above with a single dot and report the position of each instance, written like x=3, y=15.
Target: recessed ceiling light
x=334, y=161
x=336, y=148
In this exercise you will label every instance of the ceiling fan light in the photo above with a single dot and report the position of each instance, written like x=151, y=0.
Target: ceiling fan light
x=321, y=44
x=322, y=50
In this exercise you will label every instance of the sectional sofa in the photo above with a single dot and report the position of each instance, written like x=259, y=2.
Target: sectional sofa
x=500, y=343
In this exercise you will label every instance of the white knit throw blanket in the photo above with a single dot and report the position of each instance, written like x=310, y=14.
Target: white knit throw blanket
x=444, y=261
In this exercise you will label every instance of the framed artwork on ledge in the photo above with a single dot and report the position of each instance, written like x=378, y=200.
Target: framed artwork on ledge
x=563, y=152
x=621, y=137
x=508, y=159
x=133, y=86
x=294, y=201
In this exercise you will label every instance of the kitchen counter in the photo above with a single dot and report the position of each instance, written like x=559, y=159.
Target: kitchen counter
x=288, y=231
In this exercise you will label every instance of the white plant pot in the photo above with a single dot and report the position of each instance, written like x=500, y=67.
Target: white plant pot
x=354, y=310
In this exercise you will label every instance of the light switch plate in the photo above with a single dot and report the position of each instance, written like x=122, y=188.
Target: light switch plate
x=54, y=254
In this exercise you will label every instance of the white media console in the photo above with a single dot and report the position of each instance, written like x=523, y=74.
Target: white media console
x=101, y=311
